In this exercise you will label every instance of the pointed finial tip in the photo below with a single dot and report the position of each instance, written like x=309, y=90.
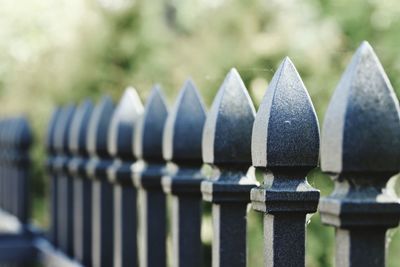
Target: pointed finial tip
x=287, y=59
x=365, y=48
x=233, y=72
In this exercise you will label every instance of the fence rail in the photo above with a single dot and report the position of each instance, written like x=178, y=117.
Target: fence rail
x=112, y=168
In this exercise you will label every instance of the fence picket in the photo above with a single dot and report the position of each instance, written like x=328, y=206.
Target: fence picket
x=82, y=190
x=285, y=146
x=102, y=190
x=360, y=149
x=226, y=146
x=182, y=149
x=120, y=146
x=147, y=173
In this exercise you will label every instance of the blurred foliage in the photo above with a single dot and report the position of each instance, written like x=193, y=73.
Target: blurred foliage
x=56, y=52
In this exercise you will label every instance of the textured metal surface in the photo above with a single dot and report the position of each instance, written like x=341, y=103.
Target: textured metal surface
x=102, y=190
x=82, y=190
x=226, y=145
x=364, y=110
x=182, y=147
x=361, y=151
x=121, y=147
x=285, y=145
x=146, y=175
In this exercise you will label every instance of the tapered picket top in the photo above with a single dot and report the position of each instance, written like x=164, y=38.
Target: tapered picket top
x=81, y=187
x=79, y=127
x=61, y=135
x=227, y=132
x=285, y=144
x=184, y=127
x=51, y=128
x=182, y=149
x=364, y=110
x=150, y=126
x=285, y=131
x=120, y=136
x=226, y=145
x=97, y=136
x=360, y=149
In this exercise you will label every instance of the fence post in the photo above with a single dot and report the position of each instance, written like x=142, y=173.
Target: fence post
x=120, y=146
x=102, y=191
x=8, y=194
x=22, y=143
x=7, y=184
x=82, y=187
x=285, y=146
x=360, y=149
x=182, y=149
x=64, y=191
x=146, y=174
x=226, y=146
x=2, y=165
x=51, y=156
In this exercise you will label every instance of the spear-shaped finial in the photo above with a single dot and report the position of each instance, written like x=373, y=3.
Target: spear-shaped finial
x=227, y=132
x=149, y=130
x=184, y=126
x=79, y=127
x=98, y=127
x=125, y=115
x=364, y=110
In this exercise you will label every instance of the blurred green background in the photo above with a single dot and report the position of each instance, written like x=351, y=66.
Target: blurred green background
x=54, y=52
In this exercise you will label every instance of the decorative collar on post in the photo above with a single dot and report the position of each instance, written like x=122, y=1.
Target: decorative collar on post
x=285, y=145
x=360, y=149
x=226, y=145
x=182, y=149
x=120, y=138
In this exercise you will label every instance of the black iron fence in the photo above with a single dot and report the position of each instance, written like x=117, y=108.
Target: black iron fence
x=113, y=166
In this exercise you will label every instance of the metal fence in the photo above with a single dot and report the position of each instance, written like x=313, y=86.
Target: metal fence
x=113, y=166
